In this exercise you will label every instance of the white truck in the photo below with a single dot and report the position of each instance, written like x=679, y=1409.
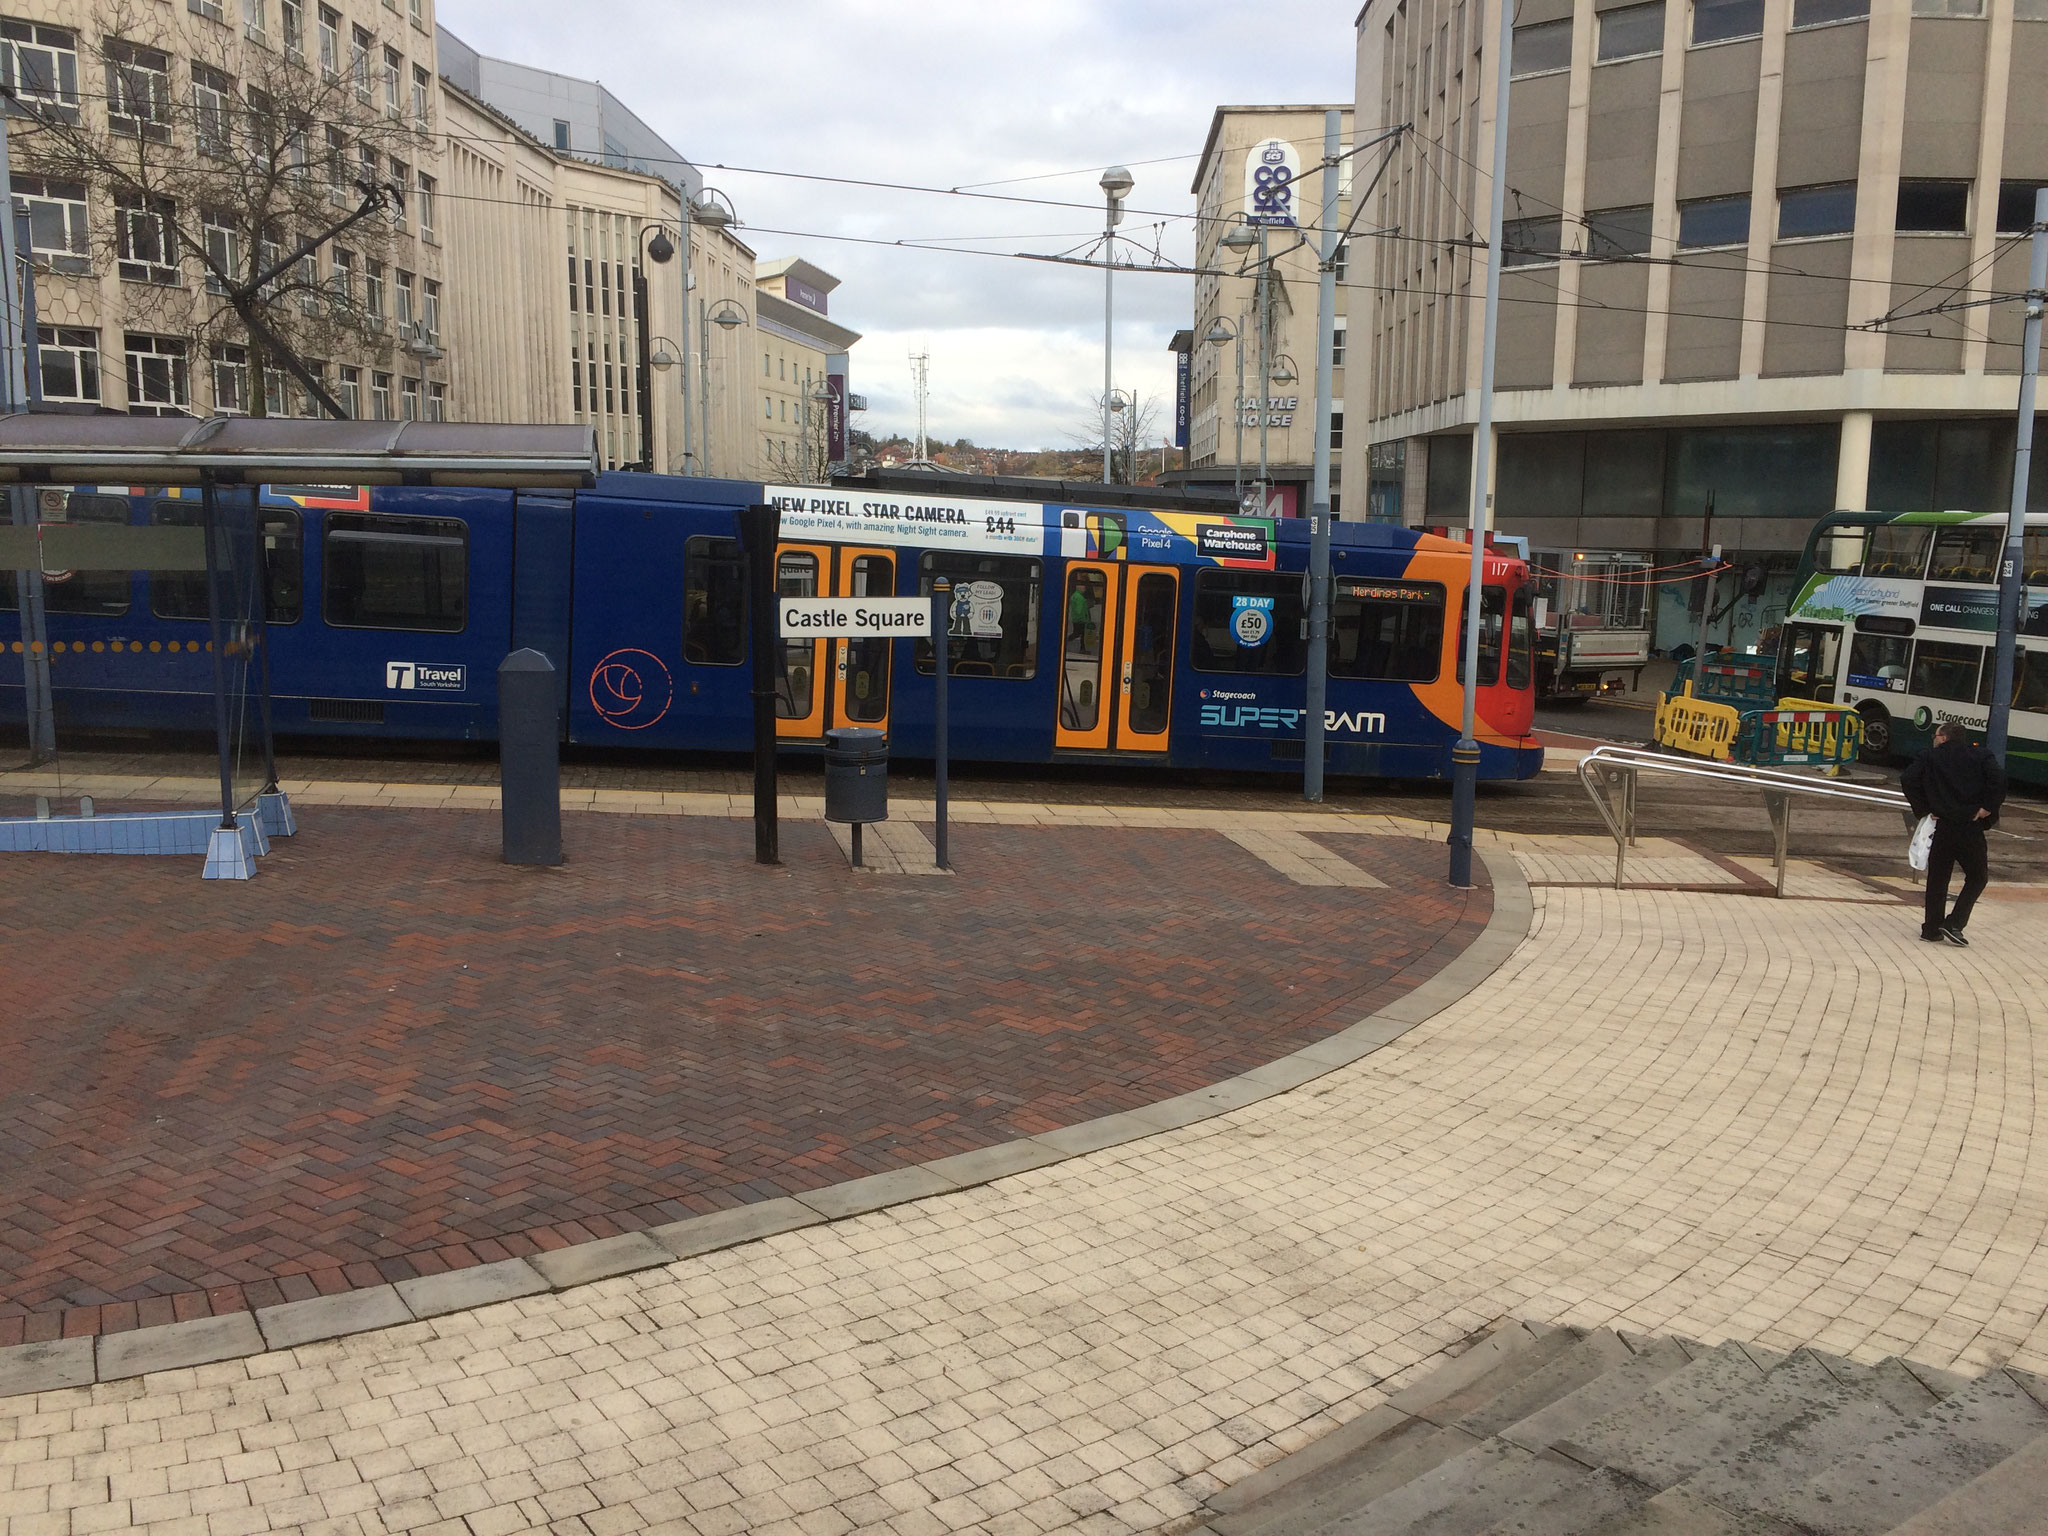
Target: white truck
x=1592, y=622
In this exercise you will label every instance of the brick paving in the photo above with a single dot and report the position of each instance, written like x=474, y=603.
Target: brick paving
x=391, y=1055
x=1693, y=1113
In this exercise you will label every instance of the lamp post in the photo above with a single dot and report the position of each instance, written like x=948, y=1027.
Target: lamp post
x=1241, y=239
x=725, y=314
x=1118, y=400
x=704, y=213
x=660, y=250
x=1283, y=374
x=1220, y=331
x=1116, y=186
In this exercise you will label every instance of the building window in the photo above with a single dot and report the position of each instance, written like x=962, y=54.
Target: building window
x=380, y=396
x=768, y=408
x=223, y=251
x=330, y=41
x=1962, y=8
x=437, y=402
x=402, y=289
x=394, y=73
x=427, y=210
x=1337, y=339
x=1804, y=212
x=1820, y=13
x=373, y=293
x=351, y=398
x=158, y=379
x=767, y=366
x=1717, y=21
x=1934, y=208
x=430, y=313
x=1337, y=425
x=138, y=91
x=212, y=9
x=2015, y=206
x=1543, y=47
x=409, y=392
x=41, y=63
x=1615, y=234
x=146, y=248
x=255, y=24
x=1527, y=242
x=2031, y=10
x=55, y=211
x=401, y=178
x=1713, y=221
x=294, y=12
x=1632, y=32
x=418, y=9
x=341, y=282
x=1341, y=264
x=561, y=136
x=71, y=362
x=360, y=44
x=213, y=95
x=230, y=380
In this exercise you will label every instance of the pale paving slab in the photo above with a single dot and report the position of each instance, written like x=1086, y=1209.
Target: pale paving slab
x=1810, y=881
x=1574, y=860
x=1674, y=1112
x=1302, y=860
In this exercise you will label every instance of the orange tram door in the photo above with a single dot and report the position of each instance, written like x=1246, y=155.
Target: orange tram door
x=841, y=680
x=1117, y=635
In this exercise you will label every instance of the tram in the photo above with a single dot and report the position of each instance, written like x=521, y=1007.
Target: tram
x=1089, y=633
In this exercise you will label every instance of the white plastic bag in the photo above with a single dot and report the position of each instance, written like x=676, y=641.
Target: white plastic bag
x=1922, y=844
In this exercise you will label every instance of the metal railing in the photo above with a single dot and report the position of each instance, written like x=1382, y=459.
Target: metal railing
x=1610, y=776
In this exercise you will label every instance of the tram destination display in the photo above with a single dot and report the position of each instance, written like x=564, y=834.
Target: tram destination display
x=883, y=618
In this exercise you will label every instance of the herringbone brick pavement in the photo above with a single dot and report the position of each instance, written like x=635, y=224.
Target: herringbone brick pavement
x=391, y=1054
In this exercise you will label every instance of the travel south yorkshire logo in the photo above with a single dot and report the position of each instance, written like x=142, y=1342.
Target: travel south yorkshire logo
x=431, y=677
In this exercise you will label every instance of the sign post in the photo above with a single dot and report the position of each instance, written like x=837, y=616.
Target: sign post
x=942, y=651
x=760, y=528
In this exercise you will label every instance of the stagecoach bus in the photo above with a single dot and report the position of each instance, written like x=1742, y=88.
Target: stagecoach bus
x=1176, y=637
x=1897, y=614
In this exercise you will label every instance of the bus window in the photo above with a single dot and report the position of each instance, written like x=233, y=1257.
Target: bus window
x=1223, y=643
x=1839, y=551
x=1387, y=631
x=1493, y=605
x=2030, y=681
x=1521, y=642
x=796, y=690
x=1810, y=655
x=998, y=634
x=1943, y=669
x=1081, y=652
x=2034, y=557
x=1898, y=549
x=714, y=602
x=396, y=572
x=1967, y=554
x=1880, y=661
x=1152, y=653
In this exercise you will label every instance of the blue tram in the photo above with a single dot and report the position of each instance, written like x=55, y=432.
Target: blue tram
x=1174, y=637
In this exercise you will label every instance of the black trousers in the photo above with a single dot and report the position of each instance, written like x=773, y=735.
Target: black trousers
x=1954, y=843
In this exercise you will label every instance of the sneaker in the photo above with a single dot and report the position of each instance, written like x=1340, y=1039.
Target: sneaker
x=1955, y=936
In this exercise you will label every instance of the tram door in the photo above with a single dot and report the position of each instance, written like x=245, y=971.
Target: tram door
x=1117, y=629
x=832, y=681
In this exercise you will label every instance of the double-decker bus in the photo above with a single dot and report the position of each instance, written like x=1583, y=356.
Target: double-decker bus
x=1897, y=615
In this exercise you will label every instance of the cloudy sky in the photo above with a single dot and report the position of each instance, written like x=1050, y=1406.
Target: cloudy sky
x=944, y=95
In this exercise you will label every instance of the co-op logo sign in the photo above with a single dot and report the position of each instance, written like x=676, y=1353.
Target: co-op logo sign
x=1221, y=708
x=407, y=676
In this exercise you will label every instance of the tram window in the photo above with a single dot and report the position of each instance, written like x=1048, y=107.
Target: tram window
x=1810, y=654
x=796, y=686
x=1839, y=551
x=1898, y=549
x=866, y=658
x=1521, y=642
x=714, y=602
x=1084, y=624
x=1387, y=631
x=1967, y=554
x=1944, y=670
x=1493, y=604
x=100, y=594
x=2030, y=682
x=396, y=572
x=1152, y=653
x=182, y=594
x=997, y=635
x=1275, y=649
x=1879, y=661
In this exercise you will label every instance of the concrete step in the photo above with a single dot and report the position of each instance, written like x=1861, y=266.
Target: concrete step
x=1591, y=1358
x=1587, y=1505
x=1675, y=1512
x=2011, y=1499
x=1652, y=1361
x=1868, y=1403
x=1653, y=1437
x=1493, y=1481
x=1874, y=1488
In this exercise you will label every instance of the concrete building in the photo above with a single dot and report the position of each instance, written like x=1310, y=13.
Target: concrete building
x=800, y=347
x=129, y=318
x=1709, y=206
x=1233, y=157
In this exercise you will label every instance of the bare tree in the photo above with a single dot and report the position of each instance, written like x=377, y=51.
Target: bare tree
x=271, y=153
x=1132, y=426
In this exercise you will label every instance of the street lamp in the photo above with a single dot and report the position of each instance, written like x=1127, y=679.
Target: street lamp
x=661, y=251
x=725, y=314
x=1118, y=401
x=703, y=212
x=1220, y=331
x=1116, y=185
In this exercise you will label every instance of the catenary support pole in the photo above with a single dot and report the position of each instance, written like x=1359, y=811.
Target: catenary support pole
x=689, y=466
x=760, y=527
x=1108, y=336
x=2012, y=573
x=1319, y=494
x=1465, y=755
x=942, y=654
x=1237, y=467
x=1262, y=301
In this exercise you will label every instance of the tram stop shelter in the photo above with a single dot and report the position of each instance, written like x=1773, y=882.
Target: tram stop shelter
x=204, y=542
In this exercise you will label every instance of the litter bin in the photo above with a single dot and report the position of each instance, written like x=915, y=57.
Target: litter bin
x=856, y=777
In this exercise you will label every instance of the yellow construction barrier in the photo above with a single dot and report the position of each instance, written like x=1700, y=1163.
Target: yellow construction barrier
x=1698, y=726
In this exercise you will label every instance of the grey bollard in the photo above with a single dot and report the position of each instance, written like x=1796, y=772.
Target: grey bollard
x=530, y=759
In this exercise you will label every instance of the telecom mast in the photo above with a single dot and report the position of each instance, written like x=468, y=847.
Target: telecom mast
x=920, y=366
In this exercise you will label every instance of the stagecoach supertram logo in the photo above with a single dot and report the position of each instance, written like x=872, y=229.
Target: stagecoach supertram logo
x=407, y=676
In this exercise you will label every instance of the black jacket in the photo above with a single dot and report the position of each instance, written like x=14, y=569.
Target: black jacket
x=1953, y=781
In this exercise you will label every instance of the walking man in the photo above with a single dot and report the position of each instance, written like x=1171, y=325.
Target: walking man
x=1961, y=786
